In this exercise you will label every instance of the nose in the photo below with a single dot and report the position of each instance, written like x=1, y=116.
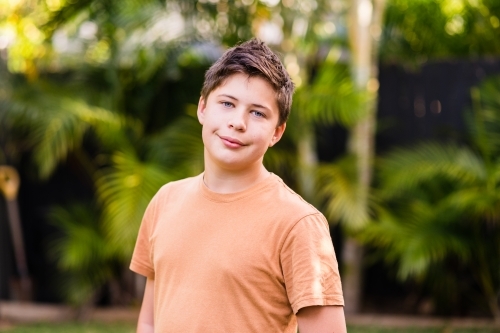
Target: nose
x=237, y=121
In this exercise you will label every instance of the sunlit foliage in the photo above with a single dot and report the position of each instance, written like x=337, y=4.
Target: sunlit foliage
x=442, y=202
x=85, y=83
x=87, y=80
x=431, y=29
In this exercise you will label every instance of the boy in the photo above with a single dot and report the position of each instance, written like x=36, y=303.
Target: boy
x=234, y=249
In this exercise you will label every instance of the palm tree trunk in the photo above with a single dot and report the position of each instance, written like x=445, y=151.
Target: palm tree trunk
x=364, y=31
x=9, y=186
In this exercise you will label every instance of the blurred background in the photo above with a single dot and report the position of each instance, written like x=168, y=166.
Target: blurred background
x=394, y=135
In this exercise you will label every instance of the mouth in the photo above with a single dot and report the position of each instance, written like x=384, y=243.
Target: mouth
x=231, y=142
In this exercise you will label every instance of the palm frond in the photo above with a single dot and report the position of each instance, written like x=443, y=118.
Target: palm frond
x=80, y=251
x=331, y=98
x=417, y=239
x=82, y=241
x=55, y=123
x=475, y=203
x=338, y=189
x=124, y=190
x=404, y=169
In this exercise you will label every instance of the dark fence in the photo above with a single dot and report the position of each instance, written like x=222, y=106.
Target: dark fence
x=427, y=104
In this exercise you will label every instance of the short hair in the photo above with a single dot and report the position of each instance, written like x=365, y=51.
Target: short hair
x=255, y=59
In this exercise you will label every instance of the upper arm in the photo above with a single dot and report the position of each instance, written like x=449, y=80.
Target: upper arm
x=310, y=269
x=146, y=316
x=321, y=319
x=142, y=256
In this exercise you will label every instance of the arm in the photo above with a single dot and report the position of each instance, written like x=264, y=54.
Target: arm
x=321, y=319
x=146, y=316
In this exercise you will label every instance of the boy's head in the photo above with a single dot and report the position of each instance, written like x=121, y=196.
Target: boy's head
x=253, y=58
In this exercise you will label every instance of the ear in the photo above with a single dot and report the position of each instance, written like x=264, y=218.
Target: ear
x=278, y=133
x=202, y=105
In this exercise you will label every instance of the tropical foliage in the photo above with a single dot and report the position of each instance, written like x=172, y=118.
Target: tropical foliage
x=441, y=203
x=413, y=33
x=82, y=252
x=112, y=87
x=91, y=101
x=109, y=88
x=446, y=29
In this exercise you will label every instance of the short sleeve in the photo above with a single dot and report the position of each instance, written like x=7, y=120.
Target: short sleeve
x=309, y=265
x=142, y=262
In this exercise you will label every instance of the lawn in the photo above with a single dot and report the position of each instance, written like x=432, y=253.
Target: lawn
x=73, y=328
x=365, y=329
x=130, y=328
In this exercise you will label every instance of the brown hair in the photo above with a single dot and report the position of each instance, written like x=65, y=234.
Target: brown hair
x=255, y=59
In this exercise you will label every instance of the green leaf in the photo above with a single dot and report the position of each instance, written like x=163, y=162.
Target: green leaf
x=338, y=189
x=404, y=169
x=81, y=251
x=56, y=121
x=125, y=189
x=331, y=98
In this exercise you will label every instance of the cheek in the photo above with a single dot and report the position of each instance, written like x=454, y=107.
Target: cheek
x=205, y=133
x=264, y=138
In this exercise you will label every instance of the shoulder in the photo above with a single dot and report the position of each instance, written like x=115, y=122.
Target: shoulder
x=169, y=195
x=167, y=192
x=178, y=187
x=290, y=202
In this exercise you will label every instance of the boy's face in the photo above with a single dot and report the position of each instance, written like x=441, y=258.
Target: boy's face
x=239, y=121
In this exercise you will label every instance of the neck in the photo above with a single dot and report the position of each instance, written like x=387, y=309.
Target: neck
x=225, y=181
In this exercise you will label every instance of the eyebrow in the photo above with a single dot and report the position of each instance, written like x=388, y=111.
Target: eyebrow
x=253, y=104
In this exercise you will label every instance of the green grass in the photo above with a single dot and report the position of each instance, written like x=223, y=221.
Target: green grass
x=130, y=328
x=364, y=329
x=73, y=328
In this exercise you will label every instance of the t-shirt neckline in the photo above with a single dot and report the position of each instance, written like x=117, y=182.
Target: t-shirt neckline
x=229, y=197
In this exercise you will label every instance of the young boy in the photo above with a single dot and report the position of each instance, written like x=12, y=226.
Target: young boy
x=234, y=249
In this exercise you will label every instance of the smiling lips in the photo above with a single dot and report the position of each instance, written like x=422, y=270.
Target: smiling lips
x=231, y=142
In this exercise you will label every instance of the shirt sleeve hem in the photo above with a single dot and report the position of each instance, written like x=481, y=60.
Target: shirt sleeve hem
x=315, y=301
x=142, y=270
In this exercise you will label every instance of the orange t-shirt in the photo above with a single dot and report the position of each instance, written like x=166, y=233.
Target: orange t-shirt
x=238, y=262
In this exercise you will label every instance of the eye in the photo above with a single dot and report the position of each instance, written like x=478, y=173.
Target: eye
x=227, y=104
x=259, y=114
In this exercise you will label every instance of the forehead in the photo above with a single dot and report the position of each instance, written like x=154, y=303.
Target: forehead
x=248, y=89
